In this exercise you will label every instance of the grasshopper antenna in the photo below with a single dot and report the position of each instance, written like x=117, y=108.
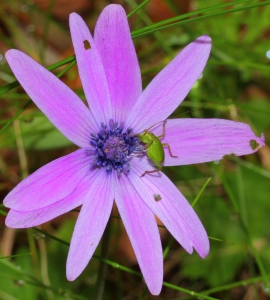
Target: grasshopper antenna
x=186, y=112
x=165, y=120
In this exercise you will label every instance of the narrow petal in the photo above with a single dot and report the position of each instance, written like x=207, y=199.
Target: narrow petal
x=50, y=183
x=202, y=140
x=91, y=70
x=91, y=224
x=173, y=209
x=59, y=103
x=26, y=219
x=115, y=46
x=169, y=88
x=143, y=232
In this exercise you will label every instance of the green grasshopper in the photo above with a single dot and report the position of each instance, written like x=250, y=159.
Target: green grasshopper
x=154, y=148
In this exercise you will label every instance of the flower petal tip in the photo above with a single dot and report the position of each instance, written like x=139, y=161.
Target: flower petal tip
x=189, y=249
x=203, y=251
x=155, y=286
x=10, y=54
x=70, y=274
x=76, y=19
x=155, y=291
x=12, y=222
x=8, y=223
x=204, y=39
x=6, y=202
x=73, y=17
x=70, y=277
x=113, y=11
x=262, y=140
x=113, y=7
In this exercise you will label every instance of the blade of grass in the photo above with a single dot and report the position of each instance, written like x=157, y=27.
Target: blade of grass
x=229, y=191
x=2, y=212
x=66, y=69
x=52, y=237
x=15, y=116
x=200, y=192
x=240, y=64
x=145, y=32
x=57, y=291
x=168, y=247
x=72, y=63
x=190, y=14
x=191, y=293
x=100, y=286
x=111, y=263
x=159, y=37
x=15, y=255
x=56, y=65
x=219, y=240
x=123, y=268
x=244, y=217
x=140, y=6
x=251, y=166
x=243, y=222
x=45, y=30
x=233, y=285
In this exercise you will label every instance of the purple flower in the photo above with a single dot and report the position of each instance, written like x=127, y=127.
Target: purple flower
x=109, y=164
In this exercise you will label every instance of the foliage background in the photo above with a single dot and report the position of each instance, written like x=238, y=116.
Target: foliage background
x=234, y=207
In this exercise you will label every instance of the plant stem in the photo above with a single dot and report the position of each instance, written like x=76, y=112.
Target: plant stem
x=102, y=264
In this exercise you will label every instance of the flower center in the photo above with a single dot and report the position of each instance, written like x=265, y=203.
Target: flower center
x=113, y=147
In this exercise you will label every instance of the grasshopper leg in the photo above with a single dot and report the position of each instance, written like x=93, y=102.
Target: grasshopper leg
x=169, y=148
x=163, y=130
x=153, y=171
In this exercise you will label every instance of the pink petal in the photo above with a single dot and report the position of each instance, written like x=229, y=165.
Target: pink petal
x=143, y=232
x=173, y=209
x=91, y=70
x=90, y=224
x=25, y=219
x=169, y=88
x=202, y=140
x=59, y=103
x=115, y=46
x=50, y=183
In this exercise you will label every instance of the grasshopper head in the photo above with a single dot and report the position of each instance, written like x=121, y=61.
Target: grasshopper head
x=144, y=136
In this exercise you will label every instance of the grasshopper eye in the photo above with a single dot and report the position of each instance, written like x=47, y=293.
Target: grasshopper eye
x=86, y=45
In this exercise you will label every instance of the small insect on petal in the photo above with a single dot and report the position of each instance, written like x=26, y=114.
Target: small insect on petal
x=154, y=147
x=86, y=45
x=254, y=144
x=157, y=197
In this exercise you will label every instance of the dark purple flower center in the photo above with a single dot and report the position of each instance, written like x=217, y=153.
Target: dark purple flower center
x=113, y=147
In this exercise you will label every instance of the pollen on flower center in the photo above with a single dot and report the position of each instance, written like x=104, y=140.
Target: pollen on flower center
x=116, y=148
x=113, y=147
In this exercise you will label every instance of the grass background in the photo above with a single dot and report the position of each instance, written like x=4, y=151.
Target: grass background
x=234, y=206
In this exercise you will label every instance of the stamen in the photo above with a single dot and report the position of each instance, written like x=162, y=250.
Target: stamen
x=113, y=147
